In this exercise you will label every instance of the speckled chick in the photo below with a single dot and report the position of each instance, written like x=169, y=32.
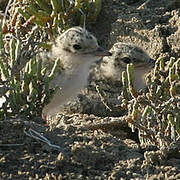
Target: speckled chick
x=123, y=54
x=77, y=49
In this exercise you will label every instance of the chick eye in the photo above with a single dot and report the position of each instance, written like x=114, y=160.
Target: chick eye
x=126, y=60
x=77, y=46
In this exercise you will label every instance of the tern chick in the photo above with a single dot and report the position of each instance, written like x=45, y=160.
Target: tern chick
x=123, y=54
x=77, y=49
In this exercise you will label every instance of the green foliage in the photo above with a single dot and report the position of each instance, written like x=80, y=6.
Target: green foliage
x=155, y=113
x=28, y=88
x=52, y=15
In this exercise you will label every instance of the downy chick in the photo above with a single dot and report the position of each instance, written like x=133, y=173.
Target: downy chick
x=77, y=49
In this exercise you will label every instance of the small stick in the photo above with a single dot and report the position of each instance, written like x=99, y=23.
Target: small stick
x=102, y=98
x=32, y=133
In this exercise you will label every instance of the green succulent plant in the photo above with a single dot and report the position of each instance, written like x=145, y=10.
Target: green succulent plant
x=27, y=82
x=51, y=15
x=155, y=113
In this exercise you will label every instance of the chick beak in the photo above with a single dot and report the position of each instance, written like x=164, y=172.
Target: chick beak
x=101, y=52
